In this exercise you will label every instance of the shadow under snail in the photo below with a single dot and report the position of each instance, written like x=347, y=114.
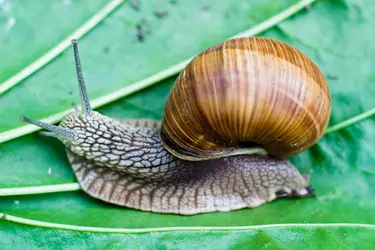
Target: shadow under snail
x=232, y=117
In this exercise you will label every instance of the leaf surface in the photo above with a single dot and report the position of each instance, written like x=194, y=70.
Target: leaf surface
x=306, y=237
x=337, y=35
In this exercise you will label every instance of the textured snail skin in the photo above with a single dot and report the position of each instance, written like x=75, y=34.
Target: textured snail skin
x=124, y=163
x=246, y=92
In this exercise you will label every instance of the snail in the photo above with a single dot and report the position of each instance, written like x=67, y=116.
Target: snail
x=232, y=117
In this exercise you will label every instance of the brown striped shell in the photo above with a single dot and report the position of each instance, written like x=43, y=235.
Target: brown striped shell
x=244, y=93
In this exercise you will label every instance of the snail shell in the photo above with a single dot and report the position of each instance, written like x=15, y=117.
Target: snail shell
x=243, y=93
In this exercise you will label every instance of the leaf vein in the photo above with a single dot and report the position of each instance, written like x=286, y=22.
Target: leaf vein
x=44, y=224
x=58, y=49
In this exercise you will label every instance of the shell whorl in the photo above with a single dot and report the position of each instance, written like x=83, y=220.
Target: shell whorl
x=243, y=93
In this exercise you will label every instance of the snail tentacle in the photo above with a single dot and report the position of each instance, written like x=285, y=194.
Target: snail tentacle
x=75, y=107
x=48, y=134
x=57, y=131
x=86, y=107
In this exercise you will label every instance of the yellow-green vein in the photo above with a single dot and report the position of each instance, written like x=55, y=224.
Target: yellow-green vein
x=30, y=222
x=58, y=49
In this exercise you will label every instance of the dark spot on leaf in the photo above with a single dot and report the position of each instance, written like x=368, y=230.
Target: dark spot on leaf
x=160, y=14
x=105, y=49
x=308, y=7
x=135, y=5
x=206, y=7
x=140, y=35
x=333, y=77
x=70, y=92
x=3, y=216
x=227, y=15
x=141, y=30
x=173, y=2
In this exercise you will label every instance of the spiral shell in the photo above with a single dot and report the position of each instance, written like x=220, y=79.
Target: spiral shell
x=245, y=93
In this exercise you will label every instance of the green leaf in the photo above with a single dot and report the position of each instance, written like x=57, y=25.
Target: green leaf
x=304, y=236
x=53, y=52
x=27, y=32
x=337, y=35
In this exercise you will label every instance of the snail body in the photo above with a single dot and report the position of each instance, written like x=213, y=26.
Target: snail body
x=197, y=159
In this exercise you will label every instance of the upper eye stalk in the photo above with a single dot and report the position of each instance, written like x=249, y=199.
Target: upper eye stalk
x=58, y=131
x=86, y=107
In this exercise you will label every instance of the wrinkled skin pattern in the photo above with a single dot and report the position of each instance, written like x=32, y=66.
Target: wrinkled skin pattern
x=124, y=163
